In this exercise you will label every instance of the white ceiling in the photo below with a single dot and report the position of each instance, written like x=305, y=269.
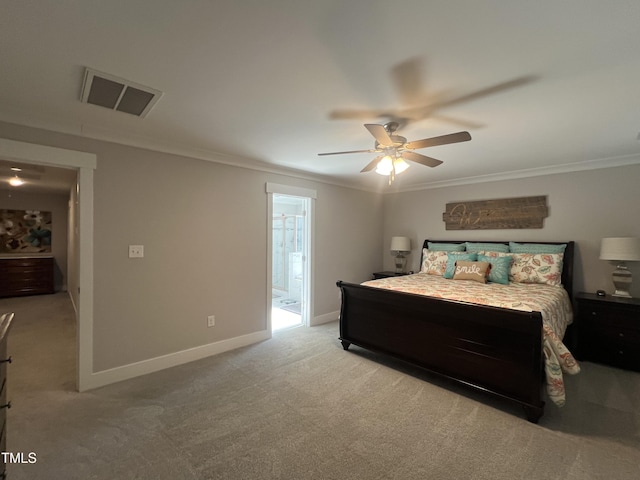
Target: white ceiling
x=256, y=80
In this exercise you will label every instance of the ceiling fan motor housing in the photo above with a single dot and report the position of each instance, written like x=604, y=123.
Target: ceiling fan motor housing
x=391, y=127
x=397, y=140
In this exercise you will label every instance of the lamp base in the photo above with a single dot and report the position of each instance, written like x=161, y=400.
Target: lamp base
x=401, y=262
x=622, y=281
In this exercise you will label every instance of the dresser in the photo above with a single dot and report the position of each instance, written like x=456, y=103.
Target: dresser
x=26, y=275
x=608, y=330
x=5, y=325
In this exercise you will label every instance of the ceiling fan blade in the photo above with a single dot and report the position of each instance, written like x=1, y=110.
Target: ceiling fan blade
x=421, y=159
x=516, y=82
x=407, y=78
x=441, y=140
x=425, y=111
x=358, y=114
x=372, y=164
x=458, y=122
x=380, y=134
x=349, y=151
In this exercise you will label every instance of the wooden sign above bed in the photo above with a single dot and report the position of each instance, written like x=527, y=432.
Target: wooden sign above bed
x=504, y=213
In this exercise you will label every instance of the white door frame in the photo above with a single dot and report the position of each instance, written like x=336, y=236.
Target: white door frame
x=308, y=264
x=85, y=163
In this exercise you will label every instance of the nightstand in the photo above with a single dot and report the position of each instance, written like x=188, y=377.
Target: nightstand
x=378, y=275
x=609, y=330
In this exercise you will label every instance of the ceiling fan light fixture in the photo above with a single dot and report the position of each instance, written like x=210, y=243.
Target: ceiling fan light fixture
x=384, y=166
x=400, y=165
x=15, y=181
x=387, y=166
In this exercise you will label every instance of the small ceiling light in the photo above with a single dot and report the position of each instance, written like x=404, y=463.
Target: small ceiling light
x=16, y=169
x=16, y=181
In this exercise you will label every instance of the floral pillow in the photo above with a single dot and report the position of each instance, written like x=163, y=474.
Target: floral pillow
x=433, y=262
x=500, y=267
x=543, y=268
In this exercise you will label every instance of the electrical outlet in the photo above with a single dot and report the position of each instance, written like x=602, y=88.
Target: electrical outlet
x=136, y=251
x=211, y=321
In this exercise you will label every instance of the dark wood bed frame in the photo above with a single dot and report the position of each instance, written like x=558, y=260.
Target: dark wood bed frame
x=495, y=350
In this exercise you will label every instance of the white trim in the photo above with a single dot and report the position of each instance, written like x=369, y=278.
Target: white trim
x=137, y=141
x=620, y=161
x=325, y=318
x=85, y=163
x=151, y=365
x=268, y=280
x=155, y=145
x=291, y=190
x=85, y=278
x=44, y=155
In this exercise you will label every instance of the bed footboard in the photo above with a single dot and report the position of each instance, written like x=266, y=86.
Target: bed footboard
x=492, y=349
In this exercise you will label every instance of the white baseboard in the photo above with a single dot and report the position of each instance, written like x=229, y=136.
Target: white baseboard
x=326, y=318
x=125, y=372
x=73, y=304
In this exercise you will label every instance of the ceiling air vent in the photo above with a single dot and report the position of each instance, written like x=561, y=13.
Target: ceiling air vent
x=118, y=94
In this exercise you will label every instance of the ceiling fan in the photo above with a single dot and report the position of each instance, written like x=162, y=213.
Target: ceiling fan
x=418, y=104
x=394, y=149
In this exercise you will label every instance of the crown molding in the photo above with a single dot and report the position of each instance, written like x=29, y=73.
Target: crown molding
x=611, y=162
x=139, y=141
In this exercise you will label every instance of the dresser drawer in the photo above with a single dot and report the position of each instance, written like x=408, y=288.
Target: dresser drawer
x=618, y=353
x=27, y=262
x=26, y=276
x=611, y=326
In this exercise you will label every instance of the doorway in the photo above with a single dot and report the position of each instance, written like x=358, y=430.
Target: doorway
x=290, y=220
x=82, y=269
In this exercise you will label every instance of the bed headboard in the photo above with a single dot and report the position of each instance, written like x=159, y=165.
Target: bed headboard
x=567, y=262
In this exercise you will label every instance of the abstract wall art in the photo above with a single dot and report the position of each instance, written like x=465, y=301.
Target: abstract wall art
x=25, y=231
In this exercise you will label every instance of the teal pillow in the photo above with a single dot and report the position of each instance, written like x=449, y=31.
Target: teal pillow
x=453, y=257
x=536, y=248
x=446, y=247
x=500, y=268
x=487, y=247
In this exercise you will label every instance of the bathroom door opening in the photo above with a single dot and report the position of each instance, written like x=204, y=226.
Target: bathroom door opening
x=290, y=227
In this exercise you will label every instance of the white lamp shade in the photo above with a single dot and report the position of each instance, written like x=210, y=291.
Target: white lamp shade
x=384, y=166
x=625, y=249
x=400, y=244
x=387, y=164
x=400, y=165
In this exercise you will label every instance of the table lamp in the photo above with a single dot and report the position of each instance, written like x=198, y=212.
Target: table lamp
x=400, y=246
x=621, y=250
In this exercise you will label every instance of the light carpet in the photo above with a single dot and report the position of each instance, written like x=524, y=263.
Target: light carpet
x=299, y=407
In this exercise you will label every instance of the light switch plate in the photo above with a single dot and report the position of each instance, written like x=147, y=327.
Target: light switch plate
x=136, y=251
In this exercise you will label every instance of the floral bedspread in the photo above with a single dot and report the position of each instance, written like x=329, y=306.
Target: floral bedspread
x=551, y=301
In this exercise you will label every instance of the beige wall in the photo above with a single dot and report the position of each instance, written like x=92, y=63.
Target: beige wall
x=204, y=229
x=58, y=205
x=583, y=206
